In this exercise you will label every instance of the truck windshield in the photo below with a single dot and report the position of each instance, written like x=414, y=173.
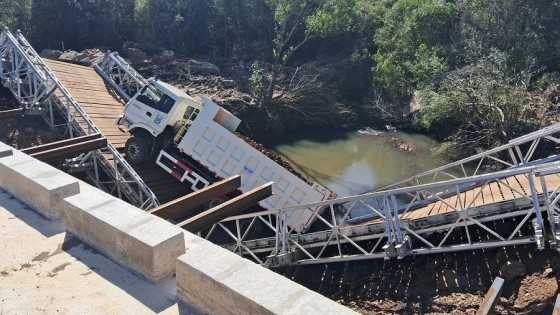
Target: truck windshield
x=156, y=99
x=153, y=94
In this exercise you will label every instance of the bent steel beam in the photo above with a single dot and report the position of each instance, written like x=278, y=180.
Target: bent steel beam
x=227, y=209
x=179, y=208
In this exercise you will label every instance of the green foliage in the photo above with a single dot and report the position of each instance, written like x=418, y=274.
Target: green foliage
x=15, y=14
x=379, y=50
x=256, y=79
x=479, y=105
x=78, y=24
x=413, y=45
x=526, y=30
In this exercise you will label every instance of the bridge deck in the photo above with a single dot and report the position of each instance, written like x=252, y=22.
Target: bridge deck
x=479, y=197
x=97, y=100
x=492, y=193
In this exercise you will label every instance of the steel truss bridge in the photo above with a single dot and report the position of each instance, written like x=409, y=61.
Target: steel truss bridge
x=451, y=208
x=39, y=91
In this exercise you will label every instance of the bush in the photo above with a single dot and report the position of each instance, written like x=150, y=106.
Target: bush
x=481, y=105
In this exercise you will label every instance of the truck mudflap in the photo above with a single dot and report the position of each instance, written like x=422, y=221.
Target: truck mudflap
x=180, y=171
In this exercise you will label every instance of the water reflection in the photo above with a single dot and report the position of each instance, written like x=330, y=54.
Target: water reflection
x=356, y=162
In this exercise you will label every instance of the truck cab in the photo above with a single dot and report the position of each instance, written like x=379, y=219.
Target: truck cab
x=153, y=116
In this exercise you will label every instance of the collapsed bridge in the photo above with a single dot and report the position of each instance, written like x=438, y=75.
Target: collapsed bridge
x=451, y=208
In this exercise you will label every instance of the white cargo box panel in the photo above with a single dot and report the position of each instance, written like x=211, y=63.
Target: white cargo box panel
x=224, y=153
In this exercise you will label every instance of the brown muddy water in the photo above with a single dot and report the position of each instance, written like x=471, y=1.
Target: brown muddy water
x=356, y=162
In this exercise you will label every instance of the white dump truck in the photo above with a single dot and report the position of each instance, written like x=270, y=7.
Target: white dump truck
x=176, y=128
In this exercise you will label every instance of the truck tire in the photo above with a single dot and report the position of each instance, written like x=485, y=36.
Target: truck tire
x=216, y=202
x=137, y=150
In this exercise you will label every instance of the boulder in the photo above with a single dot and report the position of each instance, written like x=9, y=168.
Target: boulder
x=72, y=55
x=93, y=53
x=228, y=84
x=50, y=54
x=512, y=270
x=165, y=57
x=203, y=67
x=136, y=56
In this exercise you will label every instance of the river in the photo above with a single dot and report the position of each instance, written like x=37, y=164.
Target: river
x=358, y=161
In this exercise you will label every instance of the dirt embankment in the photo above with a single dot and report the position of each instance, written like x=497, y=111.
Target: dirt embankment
x=451, y=283
x=22, y=131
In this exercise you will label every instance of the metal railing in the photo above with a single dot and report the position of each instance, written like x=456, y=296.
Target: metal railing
x=400, y=226
x=127, y=81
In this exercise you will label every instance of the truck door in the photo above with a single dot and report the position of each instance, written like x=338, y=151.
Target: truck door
x=152, y=107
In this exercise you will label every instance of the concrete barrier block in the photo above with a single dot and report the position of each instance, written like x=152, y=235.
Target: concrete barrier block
x=39, y=185
x=147, y=245
x=217, y=281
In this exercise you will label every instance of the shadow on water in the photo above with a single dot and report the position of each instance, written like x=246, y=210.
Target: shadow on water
x=318, y=135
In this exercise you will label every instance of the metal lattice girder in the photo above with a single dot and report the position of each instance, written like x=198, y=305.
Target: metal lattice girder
x=115, y=69
x=22, y=71
x=392, y=230
x=34, y=85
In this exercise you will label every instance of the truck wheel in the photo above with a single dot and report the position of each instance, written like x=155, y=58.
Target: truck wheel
x=137, y=149
x=216, y=202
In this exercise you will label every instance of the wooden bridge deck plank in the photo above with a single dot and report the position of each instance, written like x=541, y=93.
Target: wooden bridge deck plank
x=93, y=95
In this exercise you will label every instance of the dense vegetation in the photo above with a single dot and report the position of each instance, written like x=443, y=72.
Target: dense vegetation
x=473, y=65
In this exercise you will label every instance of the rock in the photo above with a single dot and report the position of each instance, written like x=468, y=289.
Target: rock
x=165, y=57
x=228, y=84
x=512, y=270
x=169, y=54
x=50, y=54
x=534, y=290
x=68, y=55
x=470, y=311
x=136, y=56
x=547, y=272
x=71, y=55
x=203, y=67
x=93, y=53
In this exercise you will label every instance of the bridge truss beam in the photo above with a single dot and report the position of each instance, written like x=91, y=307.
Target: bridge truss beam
x=37, y=89
x=395, y=233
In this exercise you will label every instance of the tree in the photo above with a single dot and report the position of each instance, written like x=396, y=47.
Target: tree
x=290, y=34
x=79, y=24
x=497, y=24
x=413, y=46
x=481, y=105
x=15, y=14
